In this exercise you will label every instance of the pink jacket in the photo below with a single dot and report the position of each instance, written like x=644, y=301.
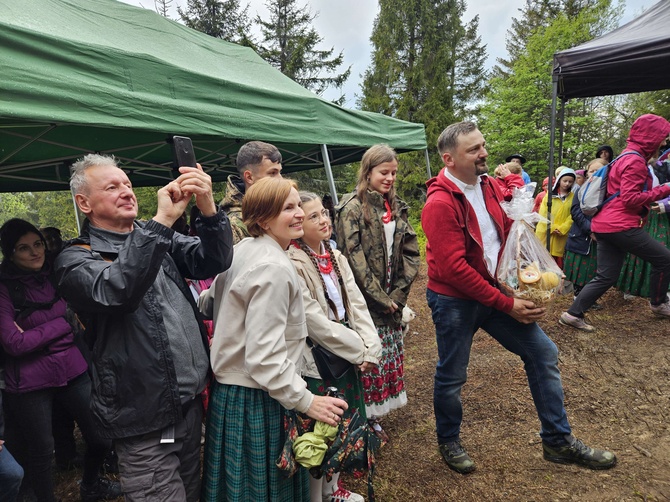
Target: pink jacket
x=628, y=175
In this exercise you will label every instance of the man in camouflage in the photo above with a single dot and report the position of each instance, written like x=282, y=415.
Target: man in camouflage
x=255, y=160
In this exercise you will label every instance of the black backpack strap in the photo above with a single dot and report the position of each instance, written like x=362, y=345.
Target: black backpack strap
x=22, y=306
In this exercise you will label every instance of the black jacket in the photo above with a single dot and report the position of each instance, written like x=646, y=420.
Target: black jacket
x=579, y=236
x=134, y=381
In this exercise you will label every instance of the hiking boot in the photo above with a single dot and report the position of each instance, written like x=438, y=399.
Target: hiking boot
x=576, y=452
x=101, y=489
x=456, y=457
x=574, y=321
x=662, y=310
x=343, y=495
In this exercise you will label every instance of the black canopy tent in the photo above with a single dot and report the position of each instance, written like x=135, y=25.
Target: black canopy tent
x=633, y=58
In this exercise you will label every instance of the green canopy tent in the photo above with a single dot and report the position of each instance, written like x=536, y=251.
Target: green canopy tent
x=82, y=76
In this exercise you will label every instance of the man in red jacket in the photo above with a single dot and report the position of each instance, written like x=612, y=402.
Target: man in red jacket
x=618, y=227
x=466, y=230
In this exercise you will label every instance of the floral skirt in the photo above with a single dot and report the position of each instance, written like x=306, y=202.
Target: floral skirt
x=635, y=274
x=580, y=269
x=350, y=385
x=384, y=386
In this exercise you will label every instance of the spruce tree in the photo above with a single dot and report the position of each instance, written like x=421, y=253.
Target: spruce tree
x=224, y=19
x=427, y=66
x=289, y=43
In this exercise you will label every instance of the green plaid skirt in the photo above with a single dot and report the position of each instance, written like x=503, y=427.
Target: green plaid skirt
x=635, y=273
x=580, y=269
x=244, y=437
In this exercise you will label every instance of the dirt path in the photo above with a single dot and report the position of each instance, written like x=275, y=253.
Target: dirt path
x=617, y=386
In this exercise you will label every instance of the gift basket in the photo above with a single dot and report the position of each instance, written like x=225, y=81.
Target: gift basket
x=526, y=269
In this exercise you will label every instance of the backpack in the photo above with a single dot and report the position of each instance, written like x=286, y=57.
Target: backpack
x=593, y=194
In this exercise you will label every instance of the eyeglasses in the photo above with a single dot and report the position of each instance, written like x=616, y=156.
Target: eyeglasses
x=316, y=217
x=27, y=248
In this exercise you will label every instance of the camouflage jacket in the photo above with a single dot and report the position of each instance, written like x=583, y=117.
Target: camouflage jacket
x=365, y=248
x=232, y=206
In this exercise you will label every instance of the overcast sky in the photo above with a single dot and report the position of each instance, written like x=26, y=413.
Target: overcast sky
x=346, y=25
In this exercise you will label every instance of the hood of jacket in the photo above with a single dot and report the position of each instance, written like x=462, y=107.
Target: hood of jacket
x=234, y=193
x=647, y=133
x=565, y=172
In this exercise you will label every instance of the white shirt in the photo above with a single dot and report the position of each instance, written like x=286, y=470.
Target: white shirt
x=490, y=238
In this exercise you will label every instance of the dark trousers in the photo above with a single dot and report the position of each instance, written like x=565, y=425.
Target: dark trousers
x=29, y=420
x=612, y=249
x=152, y=471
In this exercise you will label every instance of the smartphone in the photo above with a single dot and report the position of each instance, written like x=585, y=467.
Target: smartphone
x=182, y=152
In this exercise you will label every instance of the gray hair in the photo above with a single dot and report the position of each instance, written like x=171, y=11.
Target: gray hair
x=307, y=196
x=77, y=178
x=252, y=153
x=448, y=140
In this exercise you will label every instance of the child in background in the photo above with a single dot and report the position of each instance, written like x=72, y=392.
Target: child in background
x=561, y=219
x=581, y=249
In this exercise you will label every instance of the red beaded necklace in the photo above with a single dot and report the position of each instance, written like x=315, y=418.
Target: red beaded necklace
x=386, y=218
x=326, y=268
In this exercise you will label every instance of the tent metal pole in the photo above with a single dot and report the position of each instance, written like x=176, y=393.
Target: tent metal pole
x=552, y=139
x=428, y=163
x=561, y=130
x=329, y=173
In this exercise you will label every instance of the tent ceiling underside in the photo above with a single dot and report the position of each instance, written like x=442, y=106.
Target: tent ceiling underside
x=36, y=157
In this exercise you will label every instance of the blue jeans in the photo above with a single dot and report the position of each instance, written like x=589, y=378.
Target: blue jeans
x=11, y=475
x=456, y=321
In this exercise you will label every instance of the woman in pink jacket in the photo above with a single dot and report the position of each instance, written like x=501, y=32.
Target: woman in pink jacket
x=618, y=227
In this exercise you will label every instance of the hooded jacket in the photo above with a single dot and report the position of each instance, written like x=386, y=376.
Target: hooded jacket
x=232, y=206
x=629, y=175
x=41, y=353
x=455, y=251
x=561, y=217
x=135, y=389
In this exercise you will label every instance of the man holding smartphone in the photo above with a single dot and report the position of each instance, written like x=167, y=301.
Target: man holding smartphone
x=150, y=353
x=255, y=160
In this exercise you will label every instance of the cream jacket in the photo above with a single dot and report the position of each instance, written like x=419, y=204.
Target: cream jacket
x=359, y=344
x=259, y=323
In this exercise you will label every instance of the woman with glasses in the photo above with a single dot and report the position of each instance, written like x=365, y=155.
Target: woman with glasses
x=42, y=365
x=373, y=232
x=259, y=340
x=337, y=319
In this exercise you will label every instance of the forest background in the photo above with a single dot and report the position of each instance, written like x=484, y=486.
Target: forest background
x=427, y=65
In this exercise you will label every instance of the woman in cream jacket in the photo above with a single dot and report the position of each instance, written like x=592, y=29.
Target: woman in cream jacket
x=257, y=350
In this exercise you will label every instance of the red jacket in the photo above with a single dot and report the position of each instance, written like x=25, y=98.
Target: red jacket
x=508, y=184
x=454, y=252
x=628, y=175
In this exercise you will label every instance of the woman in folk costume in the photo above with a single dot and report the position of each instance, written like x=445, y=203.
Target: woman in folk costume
x=374, y=233
x=337, y=319
x=561, y=219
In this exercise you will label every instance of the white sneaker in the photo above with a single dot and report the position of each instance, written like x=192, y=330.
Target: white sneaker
x=343, y=495
x=628, y=296
x=662, y=310
x=576, y=322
